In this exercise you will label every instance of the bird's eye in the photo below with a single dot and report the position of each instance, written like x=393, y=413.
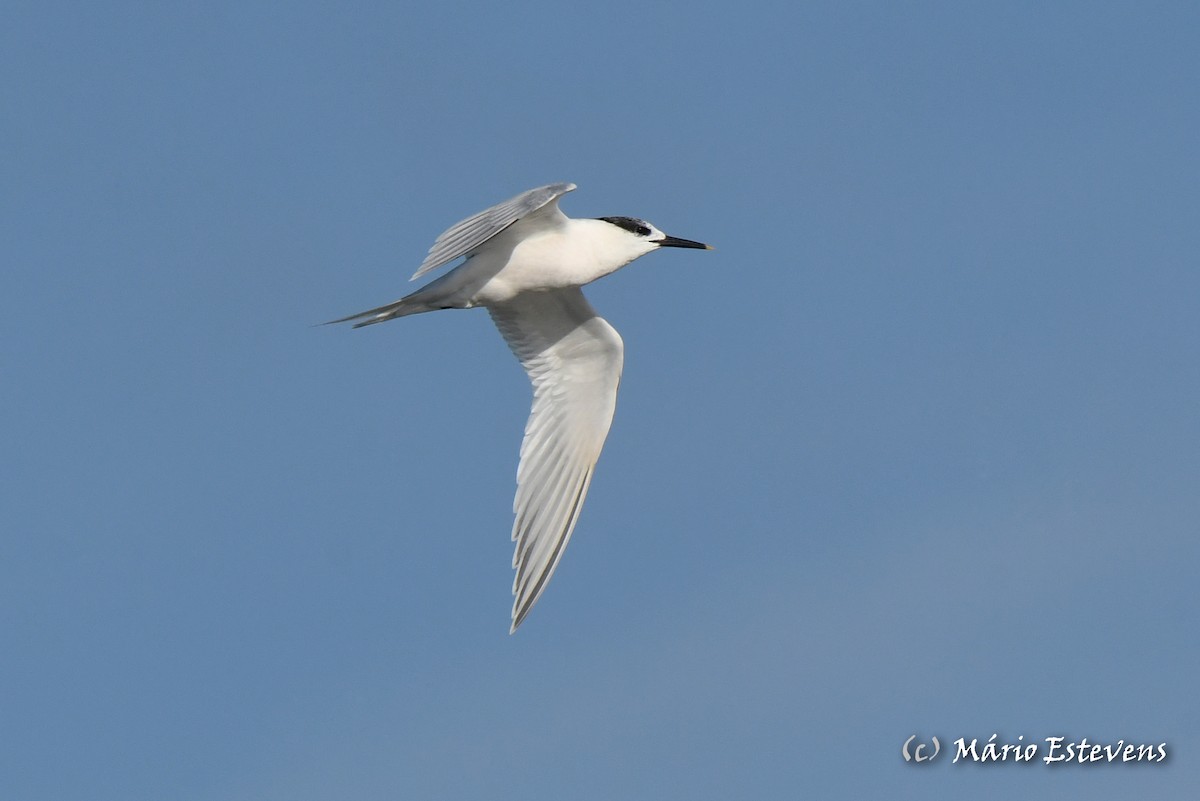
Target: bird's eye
x=630, y=224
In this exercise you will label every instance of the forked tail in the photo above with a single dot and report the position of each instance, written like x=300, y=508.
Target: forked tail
x=399, y=308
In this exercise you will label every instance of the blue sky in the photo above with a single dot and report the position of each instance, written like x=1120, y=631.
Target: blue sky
x=915, y=450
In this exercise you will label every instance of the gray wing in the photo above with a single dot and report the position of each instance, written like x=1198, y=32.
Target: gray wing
x=574, y=359
x=463, y=237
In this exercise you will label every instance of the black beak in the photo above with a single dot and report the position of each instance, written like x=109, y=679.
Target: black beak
x=675, y=242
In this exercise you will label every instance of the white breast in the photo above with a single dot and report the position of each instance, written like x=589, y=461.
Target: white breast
x=570, y=254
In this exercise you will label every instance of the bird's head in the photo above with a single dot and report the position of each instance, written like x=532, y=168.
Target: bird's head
x=641, y=237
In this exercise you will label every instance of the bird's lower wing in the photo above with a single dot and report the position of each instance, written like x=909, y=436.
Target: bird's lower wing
x=574, y=358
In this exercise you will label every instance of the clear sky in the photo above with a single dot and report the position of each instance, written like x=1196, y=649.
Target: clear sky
x=915, y=450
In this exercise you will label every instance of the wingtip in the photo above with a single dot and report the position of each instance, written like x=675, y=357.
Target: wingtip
x=519, y=613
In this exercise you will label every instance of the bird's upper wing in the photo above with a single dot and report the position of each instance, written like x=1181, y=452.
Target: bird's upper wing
x=574, y=358
x=463, y=237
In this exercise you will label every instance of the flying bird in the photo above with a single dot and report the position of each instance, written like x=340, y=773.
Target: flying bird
x=525, y=263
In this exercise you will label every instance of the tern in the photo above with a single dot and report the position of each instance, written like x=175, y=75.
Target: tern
x=525, y=263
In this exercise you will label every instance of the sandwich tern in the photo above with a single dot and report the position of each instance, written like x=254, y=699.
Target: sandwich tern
x=525, y=263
